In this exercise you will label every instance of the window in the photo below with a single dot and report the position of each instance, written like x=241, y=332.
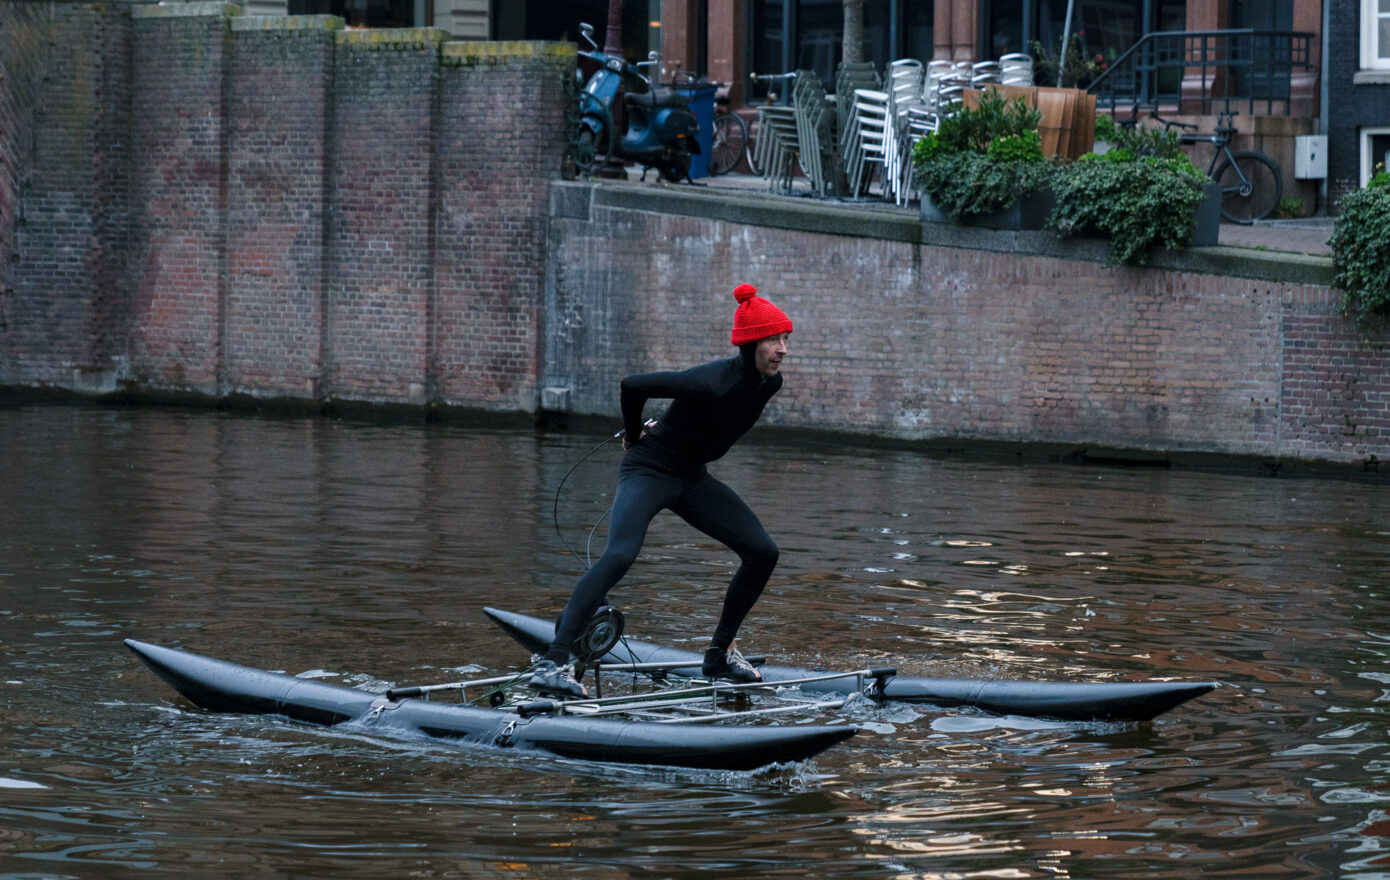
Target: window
x=789, y=35
x=363, y=13
x=1375, y=34
x=1375, y=150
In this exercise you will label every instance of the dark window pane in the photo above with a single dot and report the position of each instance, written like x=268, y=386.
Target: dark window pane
x=767, y=40
x=819, y=31
x=1005, y=28
x=918, y=20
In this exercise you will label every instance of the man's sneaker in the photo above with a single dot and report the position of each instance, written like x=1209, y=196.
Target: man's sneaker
x=730, y=666
x=558, y=681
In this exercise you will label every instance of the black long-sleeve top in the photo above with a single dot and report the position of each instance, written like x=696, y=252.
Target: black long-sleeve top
x=712, y=405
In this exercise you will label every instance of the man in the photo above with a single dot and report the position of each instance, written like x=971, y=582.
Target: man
x=712, y=405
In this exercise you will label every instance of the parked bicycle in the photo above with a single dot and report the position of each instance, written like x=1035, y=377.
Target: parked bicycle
x=730, y=142
x=1251, y=185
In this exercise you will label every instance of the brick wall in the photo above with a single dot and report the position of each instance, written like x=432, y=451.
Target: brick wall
x=381, y=235
x=491, y=235
x=279, y=119
x=915, y=340
x=63, y=170
x=179, y=109
x=325, y=214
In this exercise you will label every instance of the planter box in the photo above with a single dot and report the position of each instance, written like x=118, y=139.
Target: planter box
x=1208, y=228
x=1029, y=212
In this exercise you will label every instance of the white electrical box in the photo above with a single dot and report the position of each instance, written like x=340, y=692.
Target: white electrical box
x=1310, y=156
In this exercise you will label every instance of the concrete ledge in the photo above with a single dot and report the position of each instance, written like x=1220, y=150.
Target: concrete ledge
x=287, y=23
x=571, y=202
x=890, y=224
x=185, y=10
x=500, y=52
x=392, y=38
x=758, y=210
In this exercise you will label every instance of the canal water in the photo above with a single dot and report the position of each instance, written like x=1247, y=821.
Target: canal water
x=364, y=554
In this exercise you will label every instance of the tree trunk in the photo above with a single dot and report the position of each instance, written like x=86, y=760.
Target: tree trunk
x=854, y=31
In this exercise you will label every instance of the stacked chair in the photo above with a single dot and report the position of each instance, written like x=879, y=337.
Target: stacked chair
x=952, y=79
x=906, y=85
x=870, y=125
x=850, y=78
x=983, y=73
x=1016, y=70
x=865, y=138
x=815, y=130
x=777, y=145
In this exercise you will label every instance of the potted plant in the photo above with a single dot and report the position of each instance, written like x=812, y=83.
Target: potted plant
x=984, y=165
x=1361, y=253
x=1142, y=192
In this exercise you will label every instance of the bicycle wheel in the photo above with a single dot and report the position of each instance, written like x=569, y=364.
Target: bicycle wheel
x=730, y=141
x=1250, y=187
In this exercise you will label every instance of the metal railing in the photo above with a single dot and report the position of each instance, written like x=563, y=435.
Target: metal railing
x=1208, y=68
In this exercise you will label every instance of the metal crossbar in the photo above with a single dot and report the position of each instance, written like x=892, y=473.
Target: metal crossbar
x=689, y=699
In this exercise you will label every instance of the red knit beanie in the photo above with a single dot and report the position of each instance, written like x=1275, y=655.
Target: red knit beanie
x=756, y=318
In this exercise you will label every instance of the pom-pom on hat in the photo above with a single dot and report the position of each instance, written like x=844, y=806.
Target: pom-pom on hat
x=756, y=318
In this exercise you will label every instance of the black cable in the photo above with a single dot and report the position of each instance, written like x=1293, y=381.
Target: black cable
x=555, y=508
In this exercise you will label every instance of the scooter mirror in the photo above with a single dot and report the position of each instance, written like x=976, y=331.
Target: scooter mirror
x=588, y=31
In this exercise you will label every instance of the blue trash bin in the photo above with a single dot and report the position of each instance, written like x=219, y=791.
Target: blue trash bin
x=700, y=96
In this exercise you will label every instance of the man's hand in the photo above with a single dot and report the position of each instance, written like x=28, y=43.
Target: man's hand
x=628, y=441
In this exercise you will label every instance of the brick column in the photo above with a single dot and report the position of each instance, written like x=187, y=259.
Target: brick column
x=502, y=136
x=277, y=259
x=179, y=194
x=380, y=232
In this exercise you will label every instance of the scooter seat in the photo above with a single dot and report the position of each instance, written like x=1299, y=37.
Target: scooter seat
x=657, y=98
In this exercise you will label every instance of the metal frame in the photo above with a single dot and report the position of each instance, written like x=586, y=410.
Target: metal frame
x=663, y=705
x=1258, y=67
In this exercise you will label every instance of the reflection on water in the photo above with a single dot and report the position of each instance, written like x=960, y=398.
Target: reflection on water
x=364, y=554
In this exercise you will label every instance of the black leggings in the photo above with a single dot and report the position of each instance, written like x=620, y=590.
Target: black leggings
x=706, y=504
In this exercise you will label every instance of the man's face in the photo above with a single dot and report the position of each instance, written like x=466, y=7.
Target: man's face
x=767, y=357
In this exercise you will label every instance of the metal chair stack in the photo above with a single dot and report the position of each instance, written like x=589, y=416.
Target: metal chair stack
x=848, y=79
x=1016, y=70
x=866, y=137
x=905, y=86
x=983, y=73
x=815, y=130
x=776, y=147
x=952, y=81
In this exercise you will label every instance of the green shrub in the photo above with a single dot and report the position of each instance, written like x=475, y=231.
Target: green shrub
x=1026, y=147
x=1361, y=253
x=982, y=158
x=1137, y=201
x=1106, y=130
x=1290, y=207
x=970, y=184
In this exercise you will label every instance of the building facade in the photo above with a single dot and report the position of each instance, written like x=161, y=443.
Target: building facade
x=1340, y=88
x=1358, y=89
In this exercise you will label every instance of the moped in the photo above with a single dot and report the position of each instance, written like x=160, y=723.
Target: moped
x=660, y=130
